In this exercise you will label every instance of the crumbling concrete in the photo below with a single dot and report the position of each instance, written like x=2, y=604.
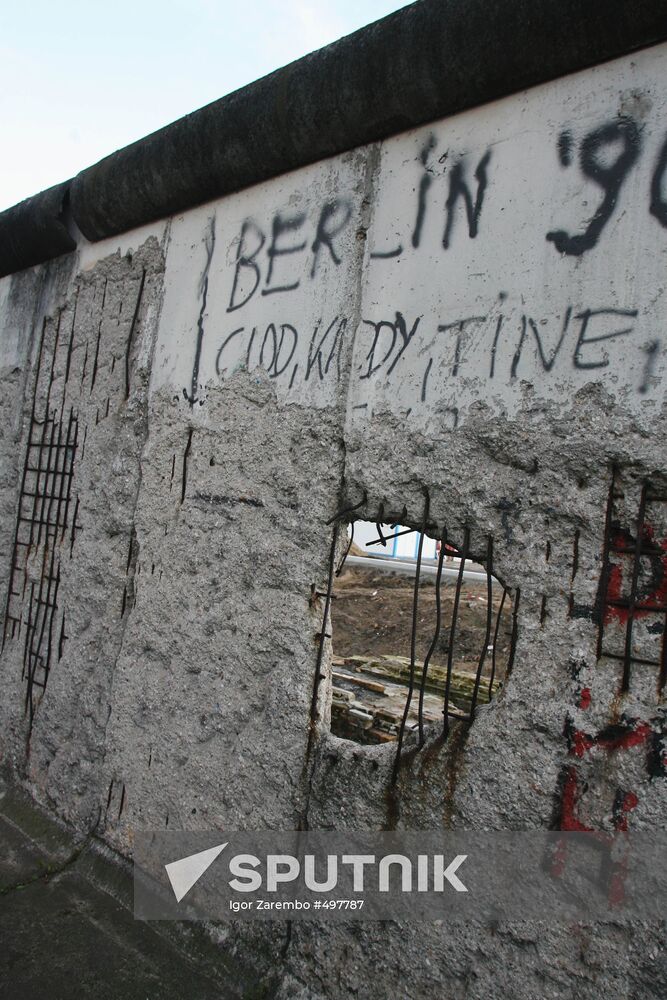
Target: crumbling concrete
x=473, y=312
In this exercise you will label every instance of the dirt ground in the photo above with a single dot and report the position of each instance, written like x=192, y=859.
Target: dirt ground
x=372, y=616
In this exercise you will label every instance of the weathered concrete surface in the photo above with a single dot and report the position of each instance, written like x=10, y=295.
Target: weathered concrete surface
x=90, y=370
x=472, y=311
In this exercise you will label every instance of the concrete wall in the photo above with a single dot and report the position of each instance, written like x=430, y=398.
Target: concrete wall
x=473, y=309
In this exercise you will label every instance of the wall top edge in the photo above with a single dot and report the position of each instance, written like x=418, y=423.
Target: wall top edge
x=427, y=61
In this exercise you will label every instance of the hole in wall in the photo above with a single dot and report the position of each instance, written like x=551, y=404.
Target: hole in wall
x=462, y=639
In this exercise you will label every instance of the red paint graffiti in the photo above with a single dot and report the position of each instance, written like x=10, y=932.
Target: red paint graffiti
x=568, y=818
x=614, y=737
x=628, y=802
x=612, y=874
x=647, y=602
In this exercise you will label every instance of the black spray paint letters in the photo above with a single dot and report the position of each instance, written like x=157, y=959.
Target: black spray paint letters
x=275, y=261
x=271, y=263
x=460, y=198
x=387, y=336
x=209, y=243
x=595, y=151
x=574, y=339
x=502, y=345
x=606, y=157
x=658, y=203
x=273, y=348
x=295, y=248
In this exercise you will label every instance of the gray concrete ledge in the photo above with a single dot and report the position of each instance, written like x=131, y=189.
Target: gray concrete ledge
x=35, y=230
x=429, y=60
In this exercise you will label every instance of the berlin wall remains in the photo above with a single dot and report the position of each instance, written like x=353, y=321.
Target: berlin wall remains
x=470, y=312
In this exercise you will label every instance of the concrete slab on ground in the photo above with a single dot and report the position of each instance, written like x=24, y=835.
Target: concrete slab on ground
x=67, y=929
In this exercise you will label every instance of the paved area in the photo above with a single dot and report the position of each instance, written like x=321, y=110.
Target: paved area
x=67, y=931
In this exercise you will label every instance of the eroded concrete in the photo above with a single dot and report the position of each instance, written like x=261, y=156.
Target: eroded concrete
x=244, y=373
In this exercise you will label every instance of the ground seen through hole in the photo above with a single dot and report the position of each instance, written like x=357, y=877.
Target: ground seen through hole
x=372, y=621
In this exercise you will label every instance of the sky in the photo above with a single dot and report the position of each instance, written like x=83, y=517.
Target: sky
x=81, y=79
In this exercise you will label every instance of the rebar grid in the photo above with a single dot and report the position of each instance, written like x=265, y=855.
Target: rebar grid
x=418, y=677
x=640, y=545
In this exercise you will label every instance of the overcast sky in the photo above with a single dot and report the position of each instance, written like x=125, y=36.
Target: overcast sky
x=80, y=79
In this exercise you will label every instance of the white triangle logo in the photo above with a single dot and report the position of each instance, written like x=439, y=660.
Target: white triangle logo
x=184, y=873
